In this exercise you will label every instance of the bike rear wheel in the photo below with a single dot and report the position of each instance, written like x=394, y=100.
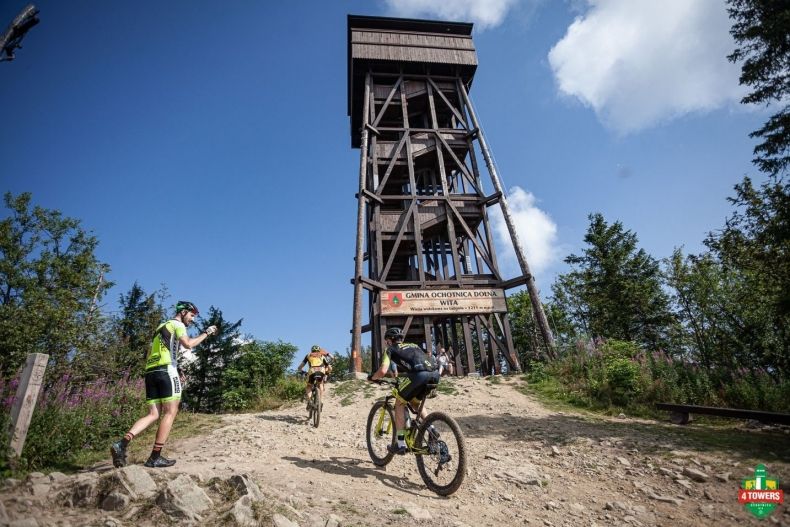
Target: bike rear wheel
x=380, y=433
x=316, y=407
x=442, y=463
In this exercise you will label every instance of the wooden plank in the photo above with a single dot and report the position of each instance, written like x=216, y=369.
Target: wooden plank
x=514, y=282
x=427, y=326
x=473, y=239
x=388, y=101
x=461, y=166
x=356, y=334
x=459, y=363
x=490, y=244
x=492, y=335
x=25, y=400
x=423, y=302
x=391, y=164
x=372, y=285
x=413, y=189
x=398, y=239
x=736, y=413
x=470, y=357
x=485, y=367
x=512, y=357
x=406, y=325
x=449, y=104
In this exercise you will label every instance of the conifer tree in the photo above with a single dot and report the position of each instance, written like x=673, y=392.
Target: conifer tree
x=204, y=388
x=614, y=290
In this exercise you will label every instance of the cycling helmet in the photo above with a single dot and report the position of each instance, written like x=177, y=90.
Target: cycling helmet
x=394, y=334
x=315, y=349
x=186, y=304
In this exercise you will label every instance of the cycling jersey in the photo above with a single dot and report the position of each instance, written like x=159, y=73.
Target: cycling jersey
x=316, y=361
x=409, y=358
x=164, y=348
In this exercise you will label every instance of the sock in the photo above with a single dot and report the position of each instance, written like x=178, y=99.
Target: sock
x=126, y=439
x=401, y=438
x=157, y=451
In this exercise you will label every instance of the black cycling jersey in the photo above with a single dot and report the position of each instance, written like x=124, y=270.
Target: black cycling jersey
x=410, y=358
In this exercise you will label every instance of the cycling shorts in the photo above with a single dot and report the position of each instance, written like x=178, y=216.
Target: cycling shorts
x=416, y=386
x=162, y=384
x=312, y=377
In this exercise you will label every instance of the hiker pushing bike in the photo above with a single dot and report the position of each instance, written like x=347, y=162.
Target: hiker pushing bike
x=435, y=439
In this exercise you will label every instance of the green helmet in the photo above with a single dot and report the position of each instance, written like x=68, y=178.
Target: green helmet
x=186, y=305
x=315, y=349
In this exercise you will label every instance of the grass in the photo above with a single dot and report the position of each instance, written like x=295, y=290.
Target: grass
x=447, y=387
x=346, y=507
x=187, y=424
x=704, y=433
x=349, y=390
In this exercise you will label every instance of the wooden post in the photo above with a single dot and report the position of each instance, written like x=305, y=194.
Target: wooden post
x=356, y=327
x=532, y=288
x=26, y=396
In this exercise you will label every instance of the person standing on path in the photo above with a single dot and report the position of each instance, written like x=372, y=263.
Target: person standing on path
x=164, y=381
x=443, y=361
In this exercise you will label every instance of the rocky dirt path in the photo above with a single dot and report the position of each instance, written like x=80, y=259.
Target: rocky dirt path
x=528, y=465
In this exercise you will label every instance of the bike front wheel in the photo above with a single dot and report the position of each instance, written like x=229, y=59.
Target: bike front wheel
x=380, y=433
x=441, y=457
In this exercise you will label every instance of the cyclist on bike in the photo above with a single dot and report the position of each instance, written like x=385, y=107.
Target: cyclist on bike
x=420, y=371
x=320, y=362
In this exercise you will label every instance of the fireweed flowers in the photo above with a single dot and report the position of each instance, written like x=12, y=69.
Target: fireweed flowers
x=73, y=415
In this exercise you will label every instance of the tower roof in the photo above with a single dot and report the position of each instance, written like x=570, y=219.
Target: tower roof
x=393, y=45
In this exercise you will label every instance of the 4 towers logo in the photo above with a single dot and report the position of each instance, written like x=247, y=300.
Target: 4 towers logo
x=760, y=495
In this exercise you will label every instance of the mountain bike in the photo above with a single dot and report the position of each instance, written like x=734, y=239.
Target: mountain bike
x=436, y=441
x=314, y=405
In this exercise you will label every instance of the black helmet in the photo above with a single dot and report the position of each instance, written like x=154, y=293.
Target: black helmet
x=394, y=334
x=186, y=304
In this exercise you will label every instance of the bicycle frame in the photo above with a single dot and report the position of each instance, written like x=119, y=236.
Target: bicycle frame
x=410, y=437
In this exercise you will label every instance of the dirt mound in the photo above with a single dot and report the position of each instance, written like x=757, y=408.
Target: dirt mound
x=526, y=465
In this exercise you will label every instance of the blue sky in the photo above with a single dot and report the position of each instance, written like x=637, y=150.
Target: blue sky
x=207, y=144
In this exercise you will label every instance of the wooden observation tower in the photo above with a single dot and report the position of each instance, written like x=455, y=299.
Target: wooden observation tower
x=425, y=251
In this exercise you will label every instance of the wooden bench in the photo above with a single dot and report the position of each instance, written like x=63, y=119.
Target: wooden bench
x=680, y=413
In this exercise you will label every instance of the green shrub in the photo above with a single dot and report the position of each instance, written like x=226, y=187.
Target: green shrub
x=536, y=372
x=289, y=388
x=236, y=400
x=623, y=380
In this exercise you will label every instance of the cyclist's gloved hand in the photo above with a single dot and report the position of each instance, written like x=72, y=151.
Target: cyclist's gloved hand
x=211, y=330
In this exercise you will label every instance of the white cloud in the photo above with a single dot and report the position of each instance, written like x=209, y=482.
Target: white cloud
x=641, y=62
x=536, y=231
x=484, y=13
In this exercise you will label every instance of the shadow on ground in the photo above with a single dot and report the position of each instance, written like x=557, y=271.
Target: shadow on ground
x=765, y=445
x=284, y=418
x=358, y=468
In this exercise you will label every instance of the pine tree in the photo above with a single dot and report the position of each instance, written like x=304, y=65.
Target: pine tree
x=614, y=290
x=141, y=313
x=204, y=386
x=760, y=28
